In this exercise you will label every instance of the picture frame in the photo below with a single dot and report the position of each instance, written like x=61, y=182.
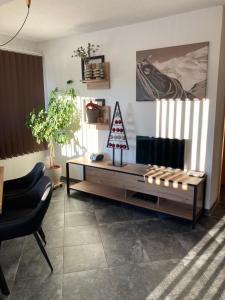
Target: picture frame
x=94, y=59
x=167, y=73
x=100, y=102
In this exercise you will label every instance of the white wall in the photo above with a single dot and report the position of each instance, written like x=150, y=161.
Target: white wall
x=19, y=166
x=19, y=45
x=119, y=45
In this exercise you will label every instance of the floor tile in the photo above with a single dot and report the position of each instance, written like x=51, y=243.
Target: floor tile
x=88, y=285
x=40, y=288
x=101, y=202
x=178, y=225
x=197, y=243
x=84, y=257
x=76, y=204
x=53, y=221
x=136, y=213
x=151, y=228
x=215, y=228
x=56, y=207
x=119, y=230
x=54, y=239
x=58, y=194
x=126, y=254
x=123, y=251
x=178, y=280
x=219, y=212
x=136, y=281
x=73, y=219
x=33, y=263
x=81, y=235
x=164, y=247
x=110, y=215
x=210, y=222
x=11, y=252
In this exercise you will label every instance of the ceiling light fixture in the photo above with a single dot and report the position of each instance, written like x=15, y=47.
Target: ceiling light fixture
x=28, y=3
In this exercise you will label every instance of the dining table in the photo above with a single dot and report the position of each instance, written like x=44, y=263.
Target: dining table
x=3, y=284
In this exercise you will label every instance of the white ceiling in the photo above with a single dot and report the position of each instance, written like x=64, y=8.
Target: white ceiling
x=51, y=19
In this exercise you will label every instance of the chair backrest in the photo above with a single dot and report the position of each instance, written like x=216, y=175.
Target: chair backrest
x=42, y=189
x=29, y=211
x=42, y=193
x=18, y=186
x=35, y=174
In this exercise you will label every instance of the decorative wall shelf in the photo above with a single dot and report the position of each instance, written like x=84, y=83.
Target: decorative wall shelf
x=95, y=84
x=98, y=126
x=103, y=120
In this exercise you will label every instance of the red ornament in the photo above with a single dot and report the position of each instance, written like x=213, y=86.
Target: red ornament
x=121, y=146
x=113, y=145
x=124, y=146
x=117, y=145
x=117, y=129
x=119, y=121
x=113, y=129
x=121, y=129
x=116, y=122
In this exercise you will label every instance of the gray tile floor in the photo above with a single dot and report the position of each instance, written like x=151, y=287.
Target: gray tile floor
x=103, y=250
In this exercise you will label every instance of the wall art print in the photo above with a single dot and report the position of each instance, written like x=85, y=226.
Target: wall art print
x=172, y=72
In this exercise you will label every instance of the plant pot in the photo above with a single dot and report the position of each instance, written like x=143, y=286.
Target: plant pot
x=54, y=173
x=92, y=115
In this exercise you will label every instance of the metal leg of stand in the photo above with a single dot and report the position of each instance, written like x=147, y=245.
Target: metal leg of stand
x=121, y=157
x=113, y=160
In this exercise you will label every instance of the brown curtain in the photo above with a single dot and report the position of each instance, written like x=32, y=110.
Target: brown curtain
x=21, y=89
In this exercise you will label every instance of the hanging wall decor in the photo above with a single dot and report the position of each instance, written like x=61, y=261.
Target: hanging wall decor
x=117, y=139
x=172, y=72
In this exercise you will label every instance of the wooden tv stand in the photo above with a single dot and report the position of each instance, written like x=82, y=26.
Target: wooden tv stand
x=183, y=196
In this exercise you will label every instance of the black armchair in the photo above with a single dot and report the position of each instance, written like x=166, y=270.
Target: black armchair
x=19, y=186
x=23, y=216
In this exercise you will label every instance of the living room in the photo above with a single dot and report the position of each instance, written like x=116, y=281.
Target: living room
x=101, y=244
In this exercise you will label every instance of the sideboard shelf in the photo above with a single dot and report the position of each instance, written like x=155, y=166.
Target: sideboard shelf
x=127, y=184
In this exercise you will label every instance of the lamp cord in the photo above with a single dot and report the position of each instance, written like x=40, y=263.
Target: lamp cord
x=18, y=31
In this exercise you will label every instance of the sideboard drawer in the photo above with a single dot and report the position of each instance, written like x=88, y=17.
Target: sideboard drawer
x=136, y=183
x=108, y=177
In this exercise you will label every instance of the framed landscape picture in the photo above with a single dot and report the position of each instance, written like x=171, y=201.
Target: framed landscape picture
x=172, y=72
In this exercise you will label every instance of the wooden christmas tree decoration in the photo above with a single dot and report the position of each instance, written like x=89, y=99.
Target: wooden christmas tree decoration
x=117, y=139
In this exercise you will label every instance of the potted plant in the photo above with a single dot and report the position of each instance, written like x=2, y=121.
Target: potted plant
x=93, y=112
x=87, y=53
x=54, y=124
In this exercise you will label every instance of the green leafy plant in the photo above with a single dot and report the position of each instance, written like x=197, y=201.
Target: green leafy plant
x=86, y=53
x=58, y=122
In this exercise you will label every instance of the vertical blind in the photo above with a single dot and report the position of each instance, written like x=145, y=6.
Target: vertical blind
x=21, y=90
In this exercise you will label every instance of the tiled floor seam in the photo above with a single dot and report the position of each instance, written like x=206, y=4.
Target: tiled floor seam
x=106, y=259
x=20, y=258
